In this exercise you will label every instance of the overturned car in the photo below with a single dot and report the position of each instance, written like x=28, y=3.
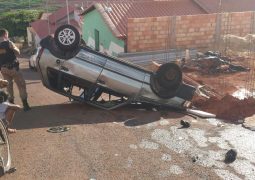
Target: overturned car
x=82, y=74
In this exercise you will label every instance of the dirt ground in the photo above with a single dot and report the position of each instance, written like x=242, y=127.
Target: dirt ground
x=226, y=83
x=125, y=143
x=224, y=105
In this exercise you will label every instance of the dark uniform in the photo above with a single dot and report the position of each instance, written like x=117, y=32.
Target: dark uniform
x=10, y=71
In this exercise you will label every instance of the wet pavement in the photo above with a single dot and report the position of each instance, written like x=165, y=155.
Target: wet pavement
x=122, y=144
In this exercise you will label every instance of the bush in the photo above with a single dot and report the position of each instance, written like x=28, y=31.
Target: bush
x=16, y=22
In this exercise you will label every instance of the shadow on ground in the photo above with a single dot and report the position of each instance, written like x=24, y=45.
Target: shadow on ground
x=75, y=113
x=30, y=74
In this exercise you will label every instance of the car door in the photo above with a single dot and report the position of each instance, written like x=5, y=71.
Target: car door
x=85, y=65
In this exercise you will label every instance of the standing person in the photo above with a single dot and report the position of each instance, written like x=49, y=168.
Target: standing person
x=10, y=68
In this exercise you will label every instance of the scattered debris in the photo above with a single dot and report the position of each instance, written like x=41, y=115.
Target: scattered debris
x=201, y=113
x=58, y=129
x=185, y=124
x=194, y=159
x=249, y=123
x=212, y=62
x=166, y=157
x=230, y=156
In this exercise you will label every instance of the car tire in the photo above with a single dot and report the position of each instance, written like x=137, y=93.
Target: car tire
x=169, y=76
x=67, y=37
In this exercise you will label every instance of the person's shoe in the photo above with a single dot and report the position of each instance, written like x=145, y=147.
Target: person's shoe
x=26, y=107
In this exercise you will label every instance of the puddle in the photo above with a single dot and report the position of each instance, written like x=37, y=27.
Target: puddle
x=148, y=145
x=199, y=136
x=242, y=140
x=226, y=175
x=245, y=168
x=133, y=146
x=174, y=169
x=171, y=139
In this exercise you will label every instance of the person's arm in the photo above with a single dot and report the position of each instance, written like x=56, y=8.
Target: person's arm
x=13, y=106
x=3, y=83
x=15, y=48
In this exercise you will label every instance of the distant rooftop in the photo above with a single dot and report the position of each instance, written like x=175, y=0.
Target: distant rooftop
x=48, y=23
x=60, y=13
x=43, y=28
x=116, y=14
x=213, y=6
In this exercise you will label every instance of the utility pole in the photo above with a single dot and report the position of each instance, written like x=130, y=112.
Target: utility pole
x=48, y=17
x=67, y=9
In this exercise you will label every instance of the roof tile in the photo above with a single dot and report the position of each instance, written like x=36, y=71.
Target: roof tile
x=119, y=12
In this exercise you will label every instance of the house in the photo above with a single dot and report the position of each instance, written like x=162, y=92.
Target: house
x=48, y=23
x=32, y=37
x=105, y=24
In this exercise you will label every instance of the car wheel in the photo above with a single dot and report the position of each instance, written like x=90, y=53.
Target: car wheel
x=67, y=37
x=169, y=76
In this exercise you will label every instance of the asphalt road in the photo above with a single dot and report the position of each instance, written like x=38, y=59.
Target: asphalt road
x=121, y=144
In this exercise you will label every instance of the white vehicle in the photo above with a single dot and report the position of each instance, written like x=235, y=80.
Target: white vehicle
x=32, y=59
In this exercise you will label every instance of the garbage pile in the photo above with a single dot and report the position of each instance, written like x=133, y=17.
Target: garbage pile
x=212, y=62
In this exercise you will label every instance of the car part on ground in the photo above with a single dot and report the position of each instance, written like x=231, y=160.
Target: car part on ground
x=107, y=82
x=230, y=156
x=58, y=129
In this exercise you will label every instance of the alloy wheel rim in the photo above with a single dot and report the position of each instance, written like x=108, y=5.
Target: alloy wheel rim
x=66, y=36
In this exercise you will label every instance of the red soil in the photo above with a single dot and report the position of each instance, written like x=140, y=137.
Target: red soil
x=228, y=108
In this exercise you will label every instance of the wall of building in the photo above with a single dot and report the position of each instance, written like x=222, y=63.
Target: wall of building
x=108, y=42
x=193, y=31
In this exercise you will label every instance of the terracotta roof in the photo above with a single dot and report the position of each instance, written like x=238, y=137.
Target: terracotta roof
x=60, y=13
x=212, y=6
x=45, y=27
x=42, y=28
x=116, y=14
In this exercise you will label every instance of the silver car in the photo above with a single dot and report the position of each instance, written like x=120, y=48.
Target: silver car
x=32, y=59
x=83, y=74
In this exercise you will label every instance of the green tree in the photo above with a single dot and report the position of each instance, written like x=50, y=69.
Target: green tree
x=16, y=22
